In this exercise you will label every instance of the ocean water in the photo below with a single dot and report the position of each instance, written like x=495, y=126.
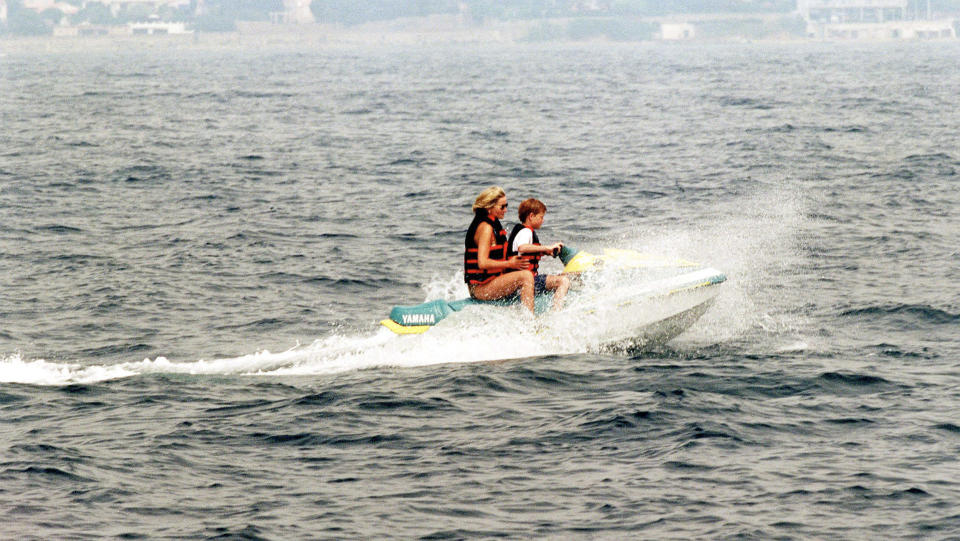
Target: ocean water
x=197, y=243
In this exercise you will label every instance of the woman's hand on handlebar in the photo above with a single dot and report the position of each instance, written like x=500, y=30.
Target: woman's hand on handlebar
x=518, y=263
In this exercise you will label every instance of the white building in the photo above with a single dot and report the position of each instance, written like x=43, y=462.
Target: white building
x=294, y=12
x=853, y=11
x=873, y=20
x=677, y=31
x=158, y=28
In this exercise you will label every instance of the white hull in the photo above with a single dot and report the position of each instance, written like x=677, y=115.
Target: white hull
x=656, y=313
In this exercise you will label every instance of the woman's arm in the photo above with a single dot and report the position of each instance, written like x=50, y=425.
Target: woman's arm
x=484, y=238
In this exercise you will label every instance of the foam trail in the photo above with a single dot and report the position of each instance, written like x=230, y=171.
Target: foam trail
x=14, y=369
x=480, y=340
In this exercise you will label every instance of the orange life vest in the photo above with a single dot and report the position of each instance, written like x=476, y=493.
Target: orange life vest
x=472, y=273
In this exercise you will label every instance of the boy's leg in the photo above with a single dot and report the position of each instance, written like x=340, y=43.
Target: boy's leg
x=560, y=283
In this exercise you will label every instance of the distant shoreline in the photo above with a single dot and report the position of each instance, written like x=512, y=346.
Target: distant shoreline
x=396, y=33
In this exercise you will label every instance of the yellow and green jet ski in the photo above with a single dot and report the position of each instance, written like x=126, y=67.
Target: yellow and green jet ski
x=635, y=296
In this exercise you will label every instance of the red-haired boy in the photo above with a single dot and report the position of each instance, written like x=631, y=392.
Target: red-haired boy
x=523, y=241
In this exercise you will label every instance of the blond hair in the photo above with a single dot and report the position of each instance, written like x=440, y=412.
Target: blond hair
x=488, y=198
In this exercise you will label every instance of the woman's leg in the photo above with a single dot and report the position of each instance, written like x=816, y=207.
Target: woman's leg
x=504, y=285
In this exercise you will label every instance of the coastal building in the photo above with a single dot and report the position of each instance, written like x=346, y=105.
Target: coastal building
x=294, y=12
x=677, y=31
x=149, y=28
x=158, y=28
x=874, y=20
x=117, y=6
x=853, y=11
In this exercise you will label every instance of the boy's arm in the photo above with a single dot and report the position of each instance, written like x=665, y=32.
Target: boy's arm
x=524, y=244
x=542, y=249
x=534, y=249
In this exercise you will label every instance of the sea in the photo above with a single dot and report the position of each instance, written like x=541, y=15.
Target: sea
x=197, y=244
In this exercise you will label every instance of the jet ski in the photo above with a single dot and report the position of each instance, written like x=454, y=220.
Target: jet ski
x=634, y=298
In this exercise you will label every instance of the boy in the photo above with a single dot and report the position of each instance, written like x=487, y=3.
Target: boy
x=523, y=241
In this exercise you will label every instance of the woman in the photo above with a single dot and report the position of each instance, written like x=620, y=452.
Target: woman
x=489, y=273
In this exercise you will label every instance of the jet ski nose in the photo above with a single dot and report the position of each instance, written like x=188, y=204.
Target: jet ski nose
x=567, y=253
